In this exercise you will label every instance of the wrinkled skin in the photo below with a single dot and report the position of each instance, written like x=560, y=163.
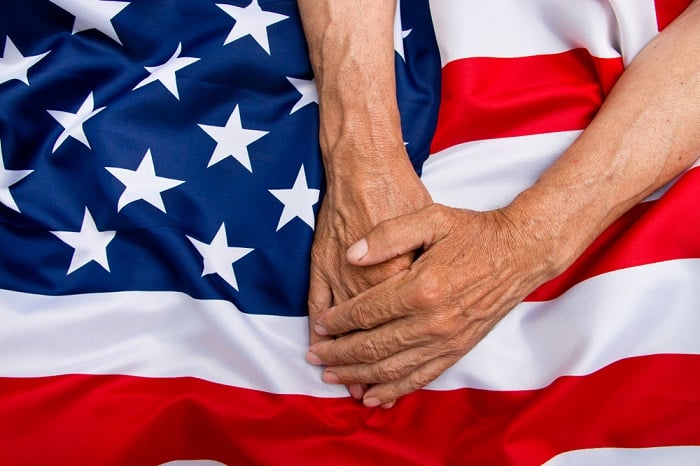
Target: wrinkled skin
x=476, y=266
x=347, y=213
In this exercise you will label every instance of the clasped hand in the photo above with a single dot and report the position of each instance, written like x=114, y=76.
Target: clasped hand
x=403, y=333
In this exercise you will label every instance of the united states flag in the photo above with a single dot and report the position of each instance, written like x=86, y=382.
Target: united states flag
x=159, y=179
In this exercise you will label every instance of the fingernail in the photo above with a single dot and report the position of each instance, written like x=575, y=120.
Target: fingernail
x=358, y=250
x=330, y=377
x=313, y=359
x=371, y=402
x=388, y=405
x=320, y=330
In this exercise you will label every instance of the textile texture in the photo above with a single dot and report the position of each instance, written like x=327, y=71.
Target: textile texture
x=159, y=180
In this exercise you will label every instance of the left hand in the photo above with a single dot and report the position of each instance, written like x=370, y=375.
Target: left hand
x=348, y=212
x=475, y=267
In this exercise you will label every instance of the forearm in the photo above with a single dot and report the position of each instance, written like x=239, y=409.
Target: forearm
x=368, y=172
x=352, y=55
x=647, y=132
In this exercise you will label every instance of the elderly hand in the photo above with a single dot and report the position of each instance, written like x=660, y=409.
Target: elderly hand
x=403, y=333
x=475, y=267
x=349, y=210
x=369, y=176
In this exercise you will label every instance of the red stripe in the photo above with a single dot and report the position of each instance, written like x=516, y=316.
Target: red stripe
x=485, y=98
x=668, y=10
x=87, y=420
x=656, y=231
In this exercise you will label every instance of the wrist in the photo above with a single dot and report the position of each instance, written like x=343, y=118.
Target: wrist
x=357, y=130
x=377, y=195
x=544, y=232
x=361, y=161
x=361, y=201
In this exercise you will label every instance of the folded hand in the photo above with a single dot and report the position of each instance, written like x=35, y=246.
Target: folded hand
x=403, y=333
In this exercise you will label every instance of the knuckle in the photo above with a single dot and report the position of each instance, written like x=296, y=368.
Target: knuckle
x=441, y=217
x=361, y=314
x=404, y=338
x=392, y=392
x=332, y=355
x=418, y=380
x=455, y=349
x=370, y=350
x=315, y=307
x=388, y=372
x=429, y=291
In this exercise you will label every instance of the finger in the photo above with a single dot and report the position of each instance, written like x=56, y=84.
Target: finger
x=374, y=345
x=391, y=369
x=376, y=306
x=387, y=393
x=320, y=299
x=399, y=236
x=358, y=390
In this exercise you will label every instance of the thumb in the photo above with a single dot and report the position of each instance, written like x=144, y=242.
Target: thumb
x=398, y=236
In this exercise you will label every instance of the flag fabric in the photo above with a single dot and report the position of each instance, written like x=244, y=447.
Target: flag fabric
x=159, y=182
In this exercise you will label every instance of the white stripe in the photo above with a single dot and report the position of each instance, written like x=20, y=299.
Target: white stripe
x=659, y=456
x=155, y=334
x=636, y=25
x=488, y=174
x=650, y=309
x=621, y=314
x=514, y=28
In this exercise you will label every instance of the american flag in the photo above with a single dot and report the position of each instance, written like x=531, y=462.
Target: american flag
x=159, y=182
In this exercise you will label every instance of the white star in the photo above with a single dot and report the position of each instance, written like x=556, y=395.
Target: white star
x=232, y=140
x=251, y=21
x=307, y=89
x=7, y=179
x=73, y=122
x=89, y=243
x=298, y=201
x=219, y=257
x=143, y=184
x=399, y=33
x=13, y=65
x=165, y=73
x=93, y=14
